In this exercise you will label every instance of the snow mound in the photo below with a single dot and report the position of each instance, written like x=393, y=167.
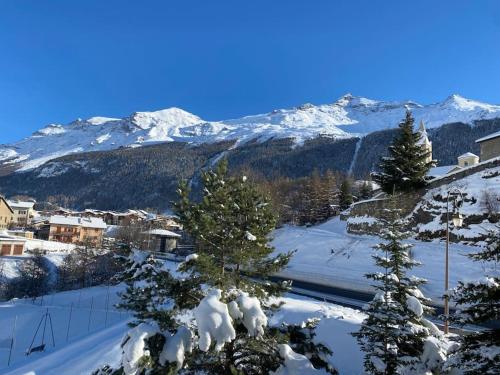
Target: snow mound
x=414, y=305
x=176, y=346
x=134, y=347
x=254, y=318
x=295, y=363
x=214, y=322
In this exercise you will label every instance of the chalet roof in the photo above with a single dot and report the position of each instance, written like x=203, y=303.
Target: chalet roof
x=488, y=137
x=85, y=222
x=20, y=204
x=164, y=233
x=467, y=155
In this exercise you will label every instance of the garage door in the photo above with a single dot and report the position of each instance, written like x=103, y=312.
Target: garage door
x=18, y=249
x=5, y=249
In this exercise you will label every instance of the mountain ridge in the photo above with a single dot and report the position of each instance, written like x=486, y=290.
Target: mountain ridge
x=349, y=116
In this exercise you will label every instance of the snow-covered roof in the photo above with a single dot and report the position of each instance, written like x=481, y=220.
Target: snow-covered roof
x=440, y=171
x=467, y=155
x=20, y=204
x=86, y=222
x=488, y=137
x=4, y=236
x=164, y=232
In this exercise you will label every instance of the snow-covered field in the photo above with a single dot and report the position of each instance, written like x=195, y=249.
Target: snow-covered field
x=327, y=254
x=87, y=349
x=93, y=324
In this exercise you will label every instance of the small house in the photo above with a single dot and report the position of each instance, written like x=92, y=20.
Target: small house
x=163, y=240
x=467, y=159
x=11, y=245
x=490, y=146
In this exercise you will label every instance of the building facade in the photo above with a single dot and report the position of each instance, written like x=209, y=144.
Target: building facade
x=467, y=159
x=77, y=230
x=6, y=214
x=490, y=146
x=23, y=212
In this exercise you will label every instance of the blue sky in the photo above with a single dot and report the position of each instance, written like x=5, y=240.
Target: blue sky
x=60, y=60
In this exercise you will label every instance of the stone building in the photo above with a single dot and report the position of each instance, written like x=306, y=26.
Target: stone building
x=490, y=146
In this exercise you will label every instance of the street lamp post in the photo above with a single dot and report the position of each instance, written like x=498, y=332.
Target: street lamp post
x=457, y=223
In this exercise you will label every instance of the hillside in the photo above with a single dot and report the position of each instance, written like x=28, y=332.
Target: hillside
x=348, y=117
x=146, y=177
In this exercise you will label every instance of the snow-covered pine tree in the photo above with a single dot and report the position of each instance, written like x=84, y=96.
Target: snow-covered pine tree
x=479, y=303
x=406, y=166
x=395, y=335
x=212, y=318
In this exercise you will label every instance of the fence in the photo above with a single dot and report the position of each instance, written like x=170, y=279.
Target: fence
x=29, y=326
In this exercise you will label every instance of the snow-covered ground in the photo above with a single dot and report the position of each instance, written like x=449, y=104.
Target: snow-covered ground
x=95, y=328
x=327, y=254
x=87, y=350
x=347, y=117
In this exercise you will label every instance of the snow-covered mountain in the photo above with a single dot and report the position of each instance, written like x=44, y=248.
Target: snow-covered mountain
x=347, y=117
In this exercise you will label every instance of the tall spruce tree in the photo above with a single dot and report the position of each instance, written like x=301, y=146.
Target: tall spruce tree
x=406, y=166
x=479, y=303
x=222, y=295
x=395, y=333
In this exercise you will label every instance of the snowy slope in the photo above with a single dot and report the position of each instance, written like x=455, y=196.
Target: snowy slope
x=327, y=254
x=346, y=117
x=87, y=350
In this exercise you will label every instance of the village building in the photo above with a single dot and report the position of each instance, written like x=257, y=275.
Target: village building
x=77, y=230
x=163, y=240
x=6, y=214
x=11, y=245
x=490, y=146
x=23, y=212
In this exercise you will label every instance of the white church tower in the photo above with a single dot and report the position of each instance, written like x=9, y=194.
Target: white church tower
x=424, y=141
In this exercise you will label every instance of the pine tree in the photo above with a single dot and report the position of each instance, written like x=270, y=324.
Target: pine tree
x=365, y=192
x=227, y=279
x=406, y=166
x=394, y=334
x=345, y=199
x=479, y=303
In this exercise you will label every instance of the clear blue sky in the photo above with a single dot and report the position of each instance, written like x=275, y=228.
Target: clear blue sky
x=63, y=59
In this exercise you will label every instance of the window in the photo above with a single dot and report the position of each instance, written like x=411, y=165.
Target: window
x=18, y=249
x=466, y=163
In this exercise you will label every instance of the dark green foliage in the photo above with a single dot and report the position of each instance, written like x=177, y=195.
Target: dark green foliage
x=345, y=198
x=479, y=303
x=393, y=334
x=405, y=168
x=230, y=227
x=33, y=280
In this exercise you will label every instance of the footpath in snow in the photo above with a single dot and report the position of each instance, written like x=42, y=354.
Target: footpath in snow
x=328, y=255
